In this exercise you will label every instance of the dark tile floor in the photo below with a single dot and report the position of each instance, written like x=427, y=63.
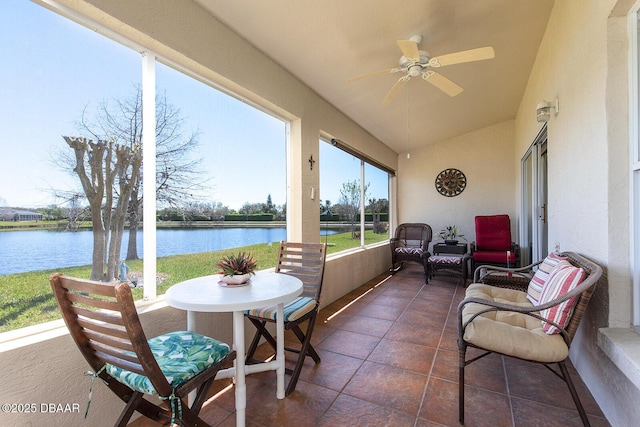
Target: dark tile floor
x=389, y=358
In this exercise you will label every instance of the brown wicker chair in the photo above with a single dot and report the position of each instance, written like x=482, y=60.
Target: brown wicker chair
x=306, y=262
x=411, y=244
x=104, y=323
x=488, y=322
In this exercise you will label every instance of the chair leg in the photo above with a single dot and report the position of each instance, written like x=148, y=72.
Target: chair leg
x=261, y=331
x=254, y=344
x=396, y=266
x=201, y=396
x=307, y=348
x=130, y=407
x=303, y=339
x=574, y=394
x=189, y=418
x=461, y=365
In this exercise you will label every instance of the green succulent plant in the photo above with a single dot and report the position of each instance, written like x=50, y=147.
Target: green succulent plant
x=451, y=232
x=241, y=263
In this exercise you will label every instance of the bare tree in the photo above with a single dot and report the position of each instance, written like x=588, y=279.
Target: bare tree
x=107, y=171
x=178, y=174
x=349, y=202
x=377, y=206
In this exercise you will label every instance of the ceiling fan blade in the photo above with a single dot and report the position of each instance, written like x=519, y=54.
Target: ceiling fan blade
x=375, y=73
x=470, y=55
x=397, y=87
x=409, y=49
x=442, y=83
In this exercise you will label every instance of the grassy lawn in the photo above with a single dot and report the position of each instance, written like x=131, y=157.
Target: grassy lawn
x=39, y=225
x=26, y=298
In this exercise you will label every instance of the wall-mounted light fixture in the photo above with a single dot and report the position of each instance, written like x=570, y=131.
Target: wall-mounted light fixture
x=543, y=110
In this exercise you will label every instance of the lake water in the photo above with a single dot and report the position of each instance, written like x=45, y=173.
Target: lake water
x=22, y=251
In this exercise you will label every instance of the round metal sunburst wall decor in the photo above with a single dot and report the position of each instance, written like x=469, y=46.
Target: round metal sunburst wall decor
x=451, y=182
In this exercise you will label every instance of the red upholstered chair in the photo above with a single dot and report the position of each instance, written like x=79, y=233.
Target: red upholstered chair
x=493, y=245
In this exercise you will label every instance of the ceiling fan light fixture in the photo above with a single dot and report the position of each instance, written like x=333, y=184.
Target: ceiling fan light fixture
x=414, y=70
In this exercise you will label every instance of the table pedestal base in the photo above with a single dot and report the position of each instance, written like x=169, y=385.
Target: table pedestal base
x=240, y=370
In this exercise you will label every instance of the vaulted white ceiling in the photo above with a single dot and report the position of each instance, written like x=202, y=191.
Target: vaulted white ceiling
x=325, y=42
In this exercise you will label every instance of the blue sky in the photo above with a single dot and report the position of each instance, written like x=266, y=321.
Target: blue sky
x=54, y=68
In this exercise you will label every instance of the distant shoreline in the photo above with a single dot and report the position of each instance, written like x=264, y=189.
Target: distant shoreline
x=44, y=225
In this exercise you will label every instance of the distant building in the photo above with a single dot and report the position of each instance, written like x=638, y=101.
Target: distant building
x=10, y=214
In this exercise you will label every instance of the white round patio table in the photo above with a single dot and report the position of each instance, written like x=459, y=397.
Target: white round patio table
x=205, y=294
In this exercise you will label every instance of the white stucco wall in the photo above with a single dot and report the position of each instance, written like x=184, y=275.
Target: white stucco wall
x=485, y=157
x=582, y=61
x=575, y=40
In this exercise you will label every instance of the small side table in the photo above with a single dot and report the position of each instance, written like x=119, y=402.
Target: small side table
x=449, y=259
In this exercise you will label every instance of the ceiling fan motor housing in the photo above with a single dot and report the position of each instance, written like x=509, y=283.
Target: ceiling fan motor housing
x=414, y=68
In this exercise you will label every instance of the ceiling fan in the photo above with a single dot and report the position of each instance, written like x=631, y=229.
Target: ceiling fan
x=415, y=62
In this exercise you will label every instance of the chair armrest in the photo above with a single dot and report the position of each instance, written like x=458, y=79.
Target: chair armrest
x=514, y=278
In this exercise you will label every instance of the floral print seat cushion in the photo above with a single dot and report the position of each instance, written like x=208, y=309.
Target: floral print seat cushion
x=181, y=355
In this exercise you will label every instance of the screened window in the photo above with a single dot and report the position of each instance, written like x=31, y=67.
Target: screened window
x=635, y=165
x=354, y=199
x=218, y=161
x=57, y=80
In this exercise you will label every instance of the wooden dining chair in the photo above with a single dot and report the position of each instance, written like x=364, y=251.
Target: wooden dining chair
x=306, y=262
x=104, y=323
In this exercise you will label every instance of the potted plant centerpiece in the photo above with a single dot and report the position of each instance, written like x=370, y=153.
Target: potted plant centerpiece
x=450, y=234
x=237, y=269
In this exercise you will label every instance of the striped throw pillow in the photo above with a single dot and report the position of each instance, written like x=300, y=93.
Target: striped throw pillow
x=542, y=275
x=561, y=281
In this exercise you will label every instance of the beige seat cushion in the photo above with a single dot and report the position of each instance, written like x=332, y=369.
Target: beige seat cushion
x=513, y=334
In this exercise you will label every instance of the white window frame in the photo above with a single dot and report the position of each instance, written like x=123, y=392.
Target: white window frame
x=365, y=159
x=634, y=163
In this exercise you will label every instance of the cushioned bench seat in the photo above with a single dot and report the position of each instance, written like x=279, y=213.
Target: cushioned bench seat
x=495, y=330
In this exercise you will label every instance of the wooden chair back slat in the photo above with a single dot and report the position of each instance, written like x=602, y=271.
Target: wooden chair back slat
x=304, y=261
x=110, y=340
x=104, y=328
x=88, y=301
x=90, y=287
x=102, y=316
x=118, y=361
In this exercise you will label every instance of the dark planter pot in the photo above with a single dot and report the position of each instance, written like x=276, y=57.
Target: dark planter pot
x=451, y=242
